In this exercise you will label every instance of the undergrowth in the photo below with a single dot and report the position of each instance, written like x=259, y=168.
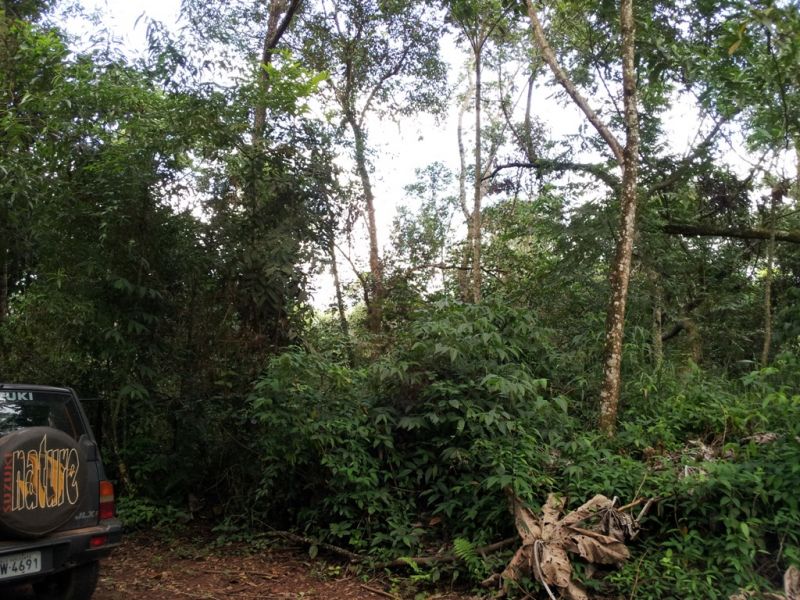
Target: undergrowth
x=410, y=454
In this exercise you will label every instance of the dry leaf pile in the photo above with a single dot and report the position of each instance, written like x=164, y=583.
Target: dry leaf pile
x=596, y=531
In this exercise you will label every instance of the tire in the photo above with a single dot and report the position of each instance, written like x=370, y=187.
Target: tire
x=77, y=583
x=44, y=476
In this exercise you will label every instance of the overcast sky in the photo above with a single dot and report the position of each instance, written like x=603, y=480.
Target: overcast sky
x=400, y=147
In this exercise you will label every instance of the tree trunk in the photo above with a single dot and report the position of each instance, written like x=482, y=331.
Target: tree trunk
x=775, y=197
x=627, y=158
x=620, y=273
x=343, y=324
x=276, y=7
x=476, y=205
x=375, y=307
x=463, y=272
x=695, y=341
x=276, y=27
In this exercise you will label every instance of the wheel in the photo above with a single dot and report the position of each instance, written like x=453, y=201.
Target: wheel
x=44, y=481
x=77, y=583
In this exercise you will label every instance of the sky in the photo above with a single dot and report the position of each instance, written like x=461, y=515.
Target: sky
x=399, y=147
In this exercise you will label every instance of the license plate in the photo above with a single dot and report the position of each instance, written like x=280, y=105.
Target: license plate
x=14, y=565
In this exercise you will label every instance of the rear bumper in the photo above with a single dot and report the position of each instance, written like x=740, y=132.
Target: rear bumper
x=65, y=549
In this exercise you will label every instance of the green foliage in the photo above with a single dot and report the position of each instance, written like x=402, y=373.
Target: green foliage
x=112, y=285
x=418, y=445
x=415, y=449
x=467, y=552
x=142, y=513
x=380, y=56
x=721, y=457
x=168, y=313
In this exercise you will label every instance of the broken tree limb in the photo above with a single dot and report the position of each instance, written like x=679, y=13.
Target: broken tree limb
x=403, y=561
x=307, y=541
x=754, y=233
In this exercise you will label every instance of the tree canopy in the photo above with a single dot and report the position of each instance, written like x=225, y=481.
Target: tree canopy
x=612, y=311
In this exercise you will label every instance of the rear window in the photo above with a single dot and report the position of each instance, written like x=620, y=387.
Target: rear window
x=21, y=408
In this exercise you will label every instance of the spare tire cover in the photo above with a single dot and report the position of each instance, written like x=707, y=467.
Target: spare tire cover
x=43, y=475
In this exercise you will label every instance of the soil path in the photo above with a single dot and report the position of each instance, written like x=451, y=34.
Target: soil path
x=154, y=568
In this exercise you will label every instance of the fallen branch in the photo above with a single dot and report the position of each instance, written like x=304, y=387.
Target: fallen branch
x=232, y=572
x=403, y=561
x=307, y=541
x=379, y=592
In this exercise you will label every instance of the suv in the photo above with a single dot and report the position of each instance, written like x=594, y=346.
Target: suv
x=57, y=514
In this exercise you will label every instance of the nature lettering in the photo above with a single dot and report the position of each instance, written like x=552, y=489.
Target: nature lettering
x=38, y=479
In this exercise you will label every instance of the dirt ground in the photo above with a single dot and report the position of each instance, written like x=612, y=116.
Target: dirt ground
x=157, y=568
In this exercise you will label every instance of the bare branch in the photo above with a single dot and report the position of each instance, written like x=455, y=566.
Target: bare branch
x=686, y=163
x=361, y=279
x=544, y=164
x=550, y=58
x=272, y=43
x=393, y=72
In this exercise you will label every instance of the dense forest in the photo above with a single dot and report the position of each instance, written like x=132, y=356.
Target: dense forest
x=609, y=311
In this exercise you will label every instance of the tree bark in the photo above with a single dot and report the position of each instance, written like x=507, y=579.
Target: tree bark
x=276, y=27
x=476, y=205
x=695, y=341
x=620, y=274
x=627, y=158
x=463, y=275
x=550, y=58
x=375, y=307
x=343, y=324
x=478, y=36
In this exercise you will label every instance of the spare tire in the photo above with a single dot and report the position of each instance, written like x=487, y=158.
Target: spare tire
x=43, y=475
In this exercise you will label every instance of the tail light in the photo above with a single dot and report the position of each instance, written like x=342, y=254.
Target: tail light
x=107, y=508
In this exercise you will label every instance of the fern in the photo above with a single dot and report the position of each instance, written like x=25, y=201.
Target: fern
x=465, y=550
x=468, y=553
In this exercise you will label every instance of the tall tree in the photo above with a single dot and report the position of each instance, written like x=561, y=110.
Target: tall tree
x=628, y=158
x=269, y=185
x=380, y=57
x=477, y=22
